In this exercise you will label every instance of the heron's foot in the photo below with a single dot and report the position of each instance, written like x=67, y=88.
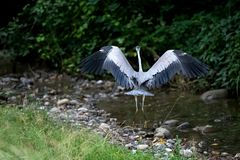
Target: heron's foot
x=136, y=110
x=142, y=109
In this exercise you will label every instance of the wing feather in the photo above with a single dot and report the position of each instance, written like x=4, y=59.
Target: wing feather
x=110, y=58
x=171, y=63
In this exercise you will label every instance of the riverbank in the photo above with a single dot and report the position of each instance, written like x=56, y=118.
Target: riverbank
x=73, y=101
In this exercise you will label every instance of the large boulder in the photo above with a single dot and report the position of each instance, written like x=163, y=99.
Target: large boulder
x=214, y=94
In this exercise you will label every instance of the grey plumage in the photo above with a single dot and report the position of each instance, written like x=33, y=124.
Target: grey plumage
x=111, y=58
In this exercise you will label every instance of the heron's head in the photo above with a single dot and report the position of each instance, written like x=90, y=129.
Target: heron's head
x=138, y=48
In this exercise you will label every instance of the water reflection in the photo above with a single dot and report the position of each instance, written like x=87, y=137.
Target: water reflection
x=223, y=115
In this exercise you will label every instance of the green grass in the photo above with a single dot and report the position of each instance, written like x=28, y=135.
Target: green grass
x=29, y=135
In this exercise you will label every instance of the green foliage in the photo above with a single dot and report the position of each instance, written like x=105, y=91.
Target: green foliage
x=63, y=32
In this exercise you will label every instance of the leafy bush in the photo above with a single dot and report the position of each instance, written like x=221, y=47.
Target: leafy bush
x=63, y=32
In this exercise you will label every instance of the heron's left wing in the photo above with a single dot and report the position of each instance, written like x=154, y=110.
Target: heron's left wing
x=171, y=63
x=112, y=59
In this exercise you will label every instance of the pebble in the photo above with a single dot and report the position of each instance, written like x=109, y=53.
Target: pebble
x=168, y=149
x=82, y=109
x=162, y=133
x=186, y=153
x=184, y=126
x=104, y=127
x=54, y=110
x=62, y=101
x=129, y=145
x=74, y=102
x=46, y=103
x=170, y=123
x=237, y=156
x=142, y=146
x=224, y=154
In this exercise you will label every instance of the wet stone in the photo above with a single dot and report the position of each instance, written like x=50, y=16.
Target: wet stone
x=142, y=146
x=54, y=110
x=184, y=126
x=186, y=153
x=129, y=145
x=170, y=123
x=224, y=154
x=162, y=133
x=104, y=127
x=62, y=101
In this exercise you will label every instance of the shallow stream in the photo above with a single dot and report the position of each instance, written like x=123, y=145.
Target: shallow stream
x=222, y=115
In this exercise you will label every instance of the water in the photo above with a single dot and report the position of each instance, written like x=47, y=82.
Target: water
x=223, y=115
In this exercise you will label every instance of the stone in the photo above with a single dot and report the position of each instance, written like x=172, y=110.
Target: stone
x=214, y=94
x=161, y=132
x=170, y=123
x=186, y=153
x=224, y=154
x=82, y=109
x=74, y=102
x=62, y=101
x=184, y=126
x=237, y=156
x=129, y=145
x=171, y=141
x=104, y=127
x=63, y=116
x=204, y=129
x=168, y=149
x=142, y=146
x=54, y=110
x=46, y=103
x=99, y=82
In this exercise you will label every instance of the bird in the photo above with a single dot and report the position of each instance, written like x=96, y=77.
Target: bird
x=111, y=58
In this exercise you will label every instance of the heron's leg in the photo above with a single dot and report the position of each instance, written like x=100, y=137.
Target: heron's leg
x=143, y=99
x=136, y=103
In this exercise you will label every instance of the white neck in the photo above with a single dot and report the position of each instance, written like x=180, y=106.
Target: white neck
x=139, y=60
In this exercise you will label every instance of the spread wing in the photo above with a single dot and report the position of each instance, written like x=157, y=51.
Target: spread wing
x=171, y=63
x=112, y=59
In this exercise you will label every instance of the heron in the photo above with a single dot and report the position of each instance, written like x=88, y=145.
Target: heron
x=172, y=62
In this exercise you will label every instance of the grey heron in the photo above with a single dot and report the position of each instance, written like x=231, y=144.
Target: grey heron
x=112, y=59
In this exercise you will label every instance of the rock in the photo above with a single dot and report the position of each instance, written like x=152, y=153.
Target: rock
x=46, y=103
x=83, y=109
x=184, y=126
x=74, y=102
x=171, y=141
x=63, y=116
x=104, y=127
x=237, y=156
x=161, y=132
x=129, y=145
x=186, y=153
x=204, y=129
x=205, y=152
x=142, y=146
x=99, y=82
x=170, y=123
x=54, y=110
x=224, y=154
x=214, y=94
x=62, y=101
x=168, y=149
x=215, y=152
x=202, y=144
x=134, y=151
x=26, y=81
x=217, y=120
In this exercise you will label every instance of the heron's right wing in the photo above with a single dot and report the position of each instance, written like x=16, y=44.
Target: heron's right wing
x=110, y=58
x=171, y=63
